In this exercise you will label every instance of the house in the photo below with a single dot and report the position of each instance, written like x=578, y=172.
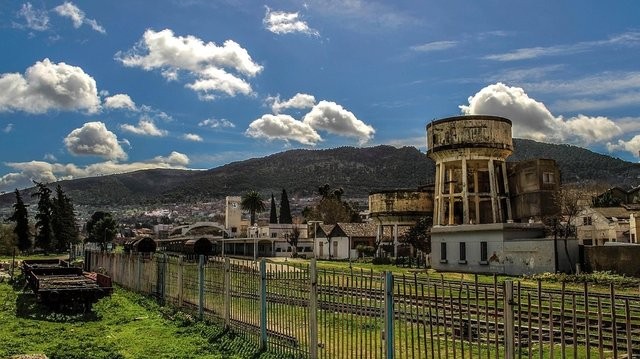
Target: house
x=340, y=241
x=599, y=225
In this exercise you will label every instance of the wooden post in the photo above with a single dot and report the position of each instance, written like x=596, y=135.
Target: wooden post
x=227, y=293
x=313, y=310
x=263, y=304
x=201, y=287
x=139, y=273
x=389, y=315
x=509, y=328
x=180, y=281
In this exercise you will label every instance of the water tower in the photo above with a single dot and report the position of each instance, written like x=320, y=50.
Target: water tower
x=471, y=182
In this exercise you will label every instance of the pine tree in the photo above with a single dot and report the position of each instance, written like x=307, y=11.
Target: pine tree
x=101, y=228
x=273, y=215
x=21, y=217
x=44, y=232
x=285, y=210
x=63, y=221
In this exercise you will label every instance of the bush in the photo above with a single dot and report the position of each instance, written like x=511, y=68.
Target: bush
x=365, y=250
x=605, y=278
x=381, y=260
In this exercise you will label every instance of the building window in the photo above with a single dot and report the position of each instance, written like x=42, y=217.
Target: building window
x=483, y=253
x=234, y=229
x=463, y=253
x=274, y=235
x=586, y=221
x=548, y=178
x=443, y=252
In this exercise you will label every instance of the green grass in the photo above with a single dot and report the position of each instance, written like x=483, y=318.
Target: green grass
x=124, y=325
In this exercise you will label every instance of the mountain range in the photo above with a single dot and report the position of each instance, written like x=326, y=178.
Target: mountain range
x=357, y=170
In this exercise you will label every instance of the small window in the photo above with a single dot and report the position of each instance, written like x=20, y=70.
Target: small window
x=586, y=221
x=548, y=178
x=234, y=229
x=443, y=252
x=463, y=253
x=274, y=235
x=483, y=252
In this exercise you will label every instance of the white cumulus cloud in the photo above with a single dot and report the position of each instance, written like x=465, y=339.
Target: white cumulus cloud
x=531, y=118
x=333, y=118
x=94, y=139
x=280, y=22
x=176, y=159
x=299, y=101
x=145, y=127
x=48, y=86
x=36, y=19
x=42, y=171
x=77, y=16
x=632, y=146
x=120, y=101
x=283, y=127
x=192, y=137
x=216, y=69
x=215, y=123
x=8, y=128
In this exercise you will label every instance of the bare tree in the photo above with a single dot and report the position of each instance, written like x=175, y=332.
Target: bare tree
x=569, y=202
x=292, y=238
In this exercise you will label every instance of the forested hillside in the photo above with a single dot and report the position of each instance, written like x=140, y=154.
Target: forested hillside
x=357, y=170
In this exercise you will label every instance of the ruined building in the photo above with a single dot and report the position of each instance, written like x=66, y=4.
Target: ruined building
x=486, y=212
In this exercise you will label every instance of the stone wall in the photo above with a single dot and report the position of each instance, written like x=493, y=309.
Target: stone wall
x=621, y=259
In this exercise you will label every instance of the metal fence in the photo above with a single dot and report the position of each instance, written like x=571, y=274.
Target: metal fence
x=309, y=312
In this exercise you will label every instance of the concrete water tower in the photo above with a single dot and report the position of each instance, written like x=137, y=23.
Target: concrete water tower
x=471, y=182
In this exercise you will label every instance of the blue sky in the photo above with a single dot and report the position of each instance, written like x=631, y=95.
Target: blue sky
x=97, y=87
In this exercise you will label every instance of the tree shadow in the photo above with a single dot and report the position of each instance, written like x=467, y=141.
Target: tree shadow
x=28, y=307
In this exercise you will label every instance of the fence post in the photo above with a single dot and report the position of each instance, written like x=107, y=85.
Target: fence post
x=313, y=310
x=227, y=293
x=180, y=280
x=201, y=287
x=263, y=304
x=139, y=273
x=509, y=322
x=389, y=315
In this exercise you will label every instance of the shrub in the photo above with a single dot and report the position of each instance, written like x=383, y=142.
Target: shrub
x=604, y=278
x=381, y=260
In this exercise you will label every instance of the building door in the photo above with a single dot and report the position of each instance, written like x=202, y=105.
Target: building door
x=321, y=250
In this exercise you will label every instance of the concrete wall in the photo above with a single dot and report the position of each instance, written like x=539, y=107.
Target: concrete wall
x=469, y=131
x=513, y=249
x=621, y=259
x=401, y=201
x=342, y=251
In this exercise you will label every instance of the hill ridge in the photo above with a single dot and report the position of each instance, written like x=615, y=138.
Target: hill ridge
x=359, y=170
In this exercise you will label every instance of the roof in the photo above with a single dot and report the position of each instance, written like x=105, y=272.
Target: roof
x=611, y=212
x=324, y=229
x=356, y=229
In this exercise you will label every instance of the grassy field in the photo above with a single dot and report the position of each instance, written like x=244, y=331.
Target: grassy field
x=125, y=325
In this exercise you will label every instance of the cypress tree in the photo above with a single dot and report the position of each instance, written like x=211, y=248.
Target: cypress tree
x=273, y=215
x=21, y=217
x=44, y=232
x=63, y=221
x=285, y=210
